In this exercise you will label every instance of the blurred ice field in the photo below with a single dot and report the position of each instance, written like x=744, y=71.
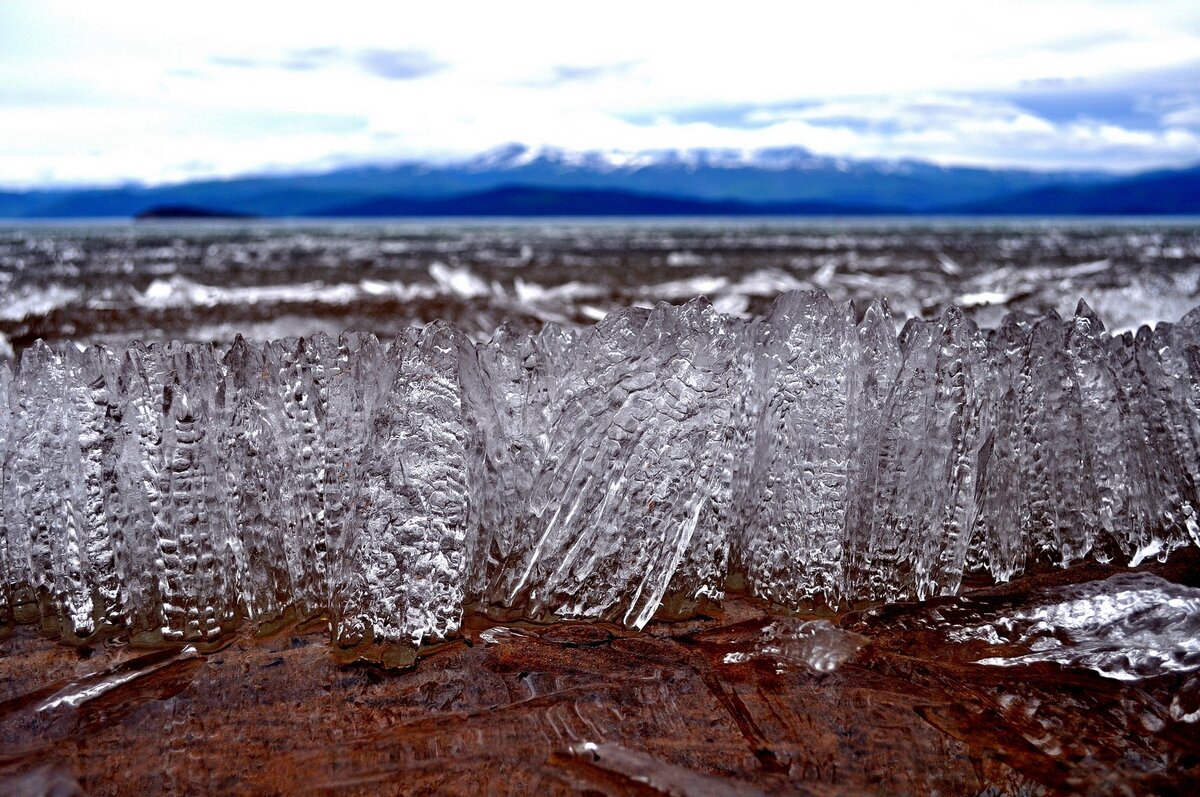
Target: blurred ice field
x=207, y=281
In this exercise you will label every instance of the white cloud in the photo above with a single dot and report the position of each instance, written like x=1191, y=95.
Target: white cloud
x=982, y=131
x=151, y=92
x=1185, y=113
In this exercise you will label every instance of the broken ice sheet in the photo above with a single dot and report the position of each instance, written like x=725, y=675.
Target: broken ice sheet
x=1127, y=627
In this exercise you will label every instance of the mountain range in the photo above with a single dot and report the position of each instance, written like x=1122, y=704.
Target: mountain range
x=522, y=181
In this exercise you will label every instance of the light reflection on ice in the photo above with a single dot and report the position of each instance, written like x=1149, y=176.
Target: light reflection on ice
x=816, y=645
x=1127, y=627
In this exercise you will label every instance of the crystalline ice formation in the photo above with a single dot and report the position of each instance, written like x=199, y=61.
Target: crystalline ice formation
x=634, y=478
x=636, y=467
x=406, y=562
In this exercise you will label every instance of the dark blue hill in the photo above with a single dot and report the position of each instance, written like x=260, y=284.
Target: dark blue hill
x=1165, y=193
x=522, y=200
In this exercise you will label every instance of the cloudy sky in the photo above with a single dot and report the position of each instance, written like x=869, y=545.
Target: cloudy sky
x=101, y=93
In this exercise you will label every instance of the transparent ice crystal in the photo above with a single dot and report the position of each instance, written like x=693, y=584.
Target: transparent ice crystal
x=637, y=467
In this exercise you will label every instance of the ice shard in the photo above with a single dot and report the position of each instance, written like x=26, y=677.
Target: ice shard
x=355, y=371
x=50, y=546
x=633, y=469
x=253, y=470
x=300, y=381
x=8, y=509
x=136, y=504
x=790, y=550
x=1162, y=490
x=878, y=363
x=933, y=430
x=91, y=379
x=407, y=559
x=191, y=530
x=1127, y=627
x=512, y=390
x=635, y=474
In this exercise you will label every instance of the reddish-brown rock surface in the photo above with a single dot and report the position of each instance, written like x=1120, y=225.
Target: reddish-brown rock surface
x=588, y=708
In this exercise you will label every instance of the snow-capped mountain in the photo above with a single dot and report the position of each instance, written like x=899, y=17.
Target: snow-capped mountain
x=777, y=181
x=517, y=156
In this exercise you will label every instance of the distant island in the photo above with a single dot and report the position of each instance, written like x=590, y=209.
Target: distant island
x=167, y=212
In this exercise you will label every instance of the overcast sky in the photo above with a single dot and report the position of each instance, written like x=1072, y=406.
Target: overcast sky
x=104, y=92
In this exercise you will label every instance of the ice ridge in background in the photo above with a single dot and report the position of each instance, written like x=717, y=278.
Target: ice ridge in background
x=634, y=468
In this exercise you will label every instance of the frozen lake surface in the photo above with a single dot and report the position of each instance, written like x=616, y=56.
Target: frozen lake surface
x=208, y=281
